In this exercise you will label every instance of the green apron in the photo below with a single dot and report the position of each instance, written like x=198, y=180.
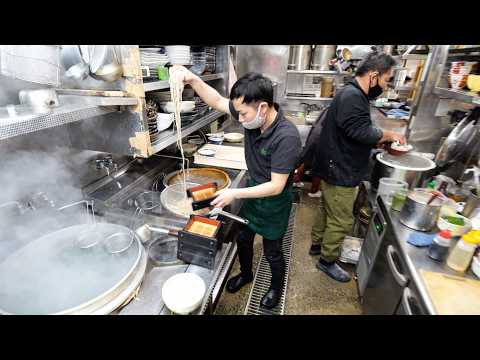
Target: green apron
x=268, y=216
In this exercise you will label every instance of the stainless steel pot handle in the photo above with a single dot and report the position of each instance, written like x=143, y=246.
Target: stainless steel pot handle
x=407, y=294
x=400, y=278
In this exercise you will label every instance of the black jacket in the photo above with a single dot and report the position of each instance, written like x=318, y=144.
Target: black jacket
x=313, y=138
x=347, y=138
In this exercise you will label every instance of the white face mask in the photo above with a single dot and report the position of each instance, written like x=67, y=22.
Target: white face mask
x=255, y=123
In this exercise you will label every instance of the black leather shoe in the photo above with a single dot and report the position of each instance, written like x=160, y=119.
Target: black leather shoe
x=271, y=298
x=237, y=282
x=315, y=249
x=334, y=271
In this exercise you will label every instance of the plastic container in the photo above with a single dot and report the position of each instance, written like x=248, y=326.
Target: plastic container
x=438, y=250
x=388, y=185
x=461, y=255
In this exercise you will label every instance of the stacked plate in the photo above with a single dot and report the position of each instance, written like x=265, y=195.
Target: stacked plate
x=200, y=105
x=179, y=54
x=151, y=58
x=152, y=111
x=210, y=59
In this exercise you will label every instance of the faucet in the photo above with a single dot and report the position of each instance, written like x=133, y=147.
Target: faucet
x=108, y=164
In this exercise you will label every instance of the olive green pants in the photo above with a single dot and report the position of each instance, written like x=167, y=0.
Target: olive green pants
x=333, y=220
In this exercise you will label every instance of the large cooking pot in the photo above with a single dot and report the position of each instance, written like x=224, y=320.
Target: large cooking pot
x=409, y=167
x=417, y=214
x=300, y=56
x=322, y=54
x=55, y=275
x=199, y=176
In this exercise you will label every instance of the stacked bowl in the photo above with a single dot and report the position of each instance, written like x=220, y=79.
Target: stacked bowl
x=459, y=72
x=179, y=54
x=151, y=59
x=199, y=62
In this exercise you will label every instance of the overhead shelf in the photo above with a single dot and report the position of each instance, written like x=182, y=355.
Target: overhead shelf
x=20, y=120
x=170, y=137
x=164, y=84
x=465, y=51
x=319, y=72
x=308, y=98
x=464, y=96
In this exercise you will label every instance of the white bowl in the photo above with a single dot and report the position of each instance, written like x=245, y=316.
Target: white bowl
x=182, y=293
x=164, y=121
x=233, y=137
x=185, y=106
x=456, y=230
x=476, y=266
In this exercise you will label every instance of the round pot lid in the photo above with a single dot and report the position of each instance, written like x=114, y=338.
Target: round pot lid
x=53, y=274
x=406, y=162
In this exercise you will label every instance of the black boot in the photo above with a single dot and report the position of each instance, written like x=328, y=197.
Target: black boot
x=237, y=282
x=271, y=298
x=333, y=270
x=315, y=249
x=274, y=293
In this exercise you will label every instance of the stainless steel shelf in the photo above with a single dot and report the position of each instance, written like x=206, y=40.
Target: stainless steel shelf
x=464, y=51
x=23, y=121
x=163, y=84
x=459, y=95
x=308, y=98
x=170, y=137
x=320, y=72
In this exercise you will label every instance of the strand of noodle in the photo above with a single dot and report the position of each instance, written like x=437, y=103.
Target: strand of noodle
x=176, y=90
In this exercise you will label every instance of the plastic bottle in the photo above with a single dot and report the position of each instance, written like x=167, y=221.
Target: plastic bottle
x=461, y=255
x=438, y=250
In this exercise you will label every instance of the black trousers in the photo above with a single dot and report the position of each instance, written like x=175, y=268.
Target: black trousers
x=272, y=249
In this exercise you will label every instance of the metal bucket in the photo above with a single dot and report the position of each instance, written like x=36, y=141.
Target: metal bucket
x=416, y=214
x=300, y=56
x=322, y=54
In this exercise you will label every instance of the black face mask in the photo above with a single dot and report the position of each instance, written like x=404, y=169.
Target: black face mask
x=375, y=91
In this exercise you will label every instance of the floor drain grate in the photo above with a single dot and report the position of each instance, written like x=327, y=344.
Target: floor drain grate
x=261, y=281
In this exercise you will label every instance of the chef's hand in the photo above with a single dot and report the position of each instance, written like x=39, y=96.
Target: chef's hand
x=187, y=76
x=391, y=136
x=224, y=197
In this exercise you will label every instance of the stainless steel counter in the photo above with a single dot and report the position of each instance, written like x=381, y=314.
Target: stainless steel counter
x=112, y=203
x=417, y=259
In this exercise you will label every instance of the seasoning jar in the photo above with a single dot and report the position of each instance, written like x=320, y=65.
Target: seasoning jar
x=398, y=199
x=461, y=255
x=438, y=250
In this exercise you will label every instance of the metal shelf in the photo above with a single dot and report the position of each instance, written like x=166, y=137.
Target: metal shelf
x=163, y=84
x=459, y=95
x=320, y=72
x=25, y=122
x=308, y=98
x=465, y=51
x=171, y=136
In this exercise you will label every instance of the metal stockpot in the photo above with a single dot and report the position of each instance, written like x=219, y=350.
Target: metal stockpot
x=300, y=56
x=322, y=54
x=416, y=214
x=409, y=167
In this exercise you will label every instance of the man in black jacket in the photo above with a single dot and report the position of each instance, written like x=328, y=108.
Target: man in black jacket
x=342, y=157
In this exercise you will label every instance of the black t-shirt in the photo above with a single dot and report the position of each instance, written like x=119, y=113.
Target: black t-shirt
x=276, y=150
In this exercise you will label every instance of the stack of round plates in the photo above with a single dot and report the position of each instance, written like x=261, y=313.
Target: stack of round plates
x=179, y=54
x=210, y=59
x=152, y=111
x=152, y=58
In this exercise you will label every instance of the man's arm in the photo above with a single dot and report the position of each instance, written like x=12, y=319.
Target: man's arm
x=206, y=92
x=357, y=124
x=274, y=187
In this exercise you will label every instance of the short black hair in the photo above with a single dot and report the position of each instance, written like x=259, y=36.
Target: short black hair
x=375, y=61
x=253, y=87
